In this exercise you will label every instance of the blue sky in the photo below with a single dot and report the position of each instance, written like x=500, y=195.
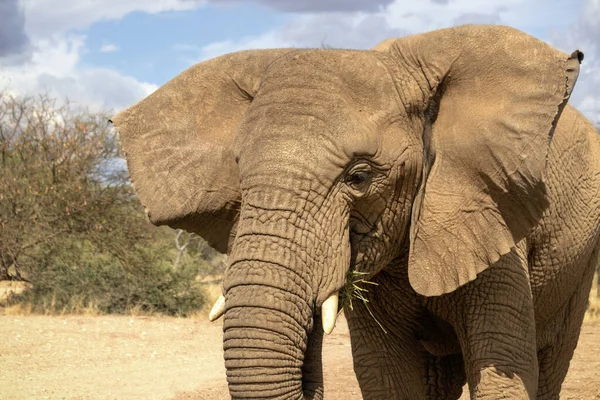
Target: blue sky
x=154, y=48
x=112, y=53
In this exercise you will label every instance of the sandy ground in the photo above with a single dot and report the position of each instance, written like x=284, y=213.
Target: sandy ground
x=80, y=357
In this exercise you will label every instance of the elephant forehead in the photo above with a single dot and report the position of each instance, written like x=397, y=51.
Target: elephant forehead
x=303, y=137
x=357, y=77
x=319, y=105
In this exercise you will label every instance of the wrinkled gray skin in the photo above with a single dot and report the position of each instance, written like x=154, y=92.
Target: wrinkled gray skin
x=421, y=164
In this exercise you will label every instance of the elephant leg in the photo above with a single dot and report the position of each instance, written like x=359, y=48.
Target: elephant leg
x=494, y=320
x=554, y=359
x=445, y=377
x=388, y=365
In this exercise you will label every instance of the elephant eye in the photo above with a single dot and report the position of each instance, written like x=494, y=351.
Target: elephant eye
x=359, y=179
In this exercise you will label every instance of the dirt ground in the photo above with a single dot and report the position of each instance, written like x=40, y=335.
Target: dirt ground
x=88, y=358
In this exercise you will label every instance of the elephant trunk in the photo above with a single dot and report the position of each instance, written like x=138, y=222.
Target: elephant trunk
x=264, y=343
x=272, y=338
x=268, y=316
x=271, y=341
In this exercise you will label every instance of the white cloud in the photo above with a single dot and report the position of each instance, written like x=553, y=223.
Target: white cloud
x=109, y=48
x=584, y=34
x=337, y=30
x=316, y=5
x=55, y=69
x=527, y=15
x=13, y=39
x=49, y=17
x=46, y=57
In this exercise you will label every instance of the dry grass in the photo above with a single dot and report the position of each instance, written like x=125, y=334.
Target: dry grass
x=77, y=307
x=212, y=291
x=9, y=289
x=593, y=312
x=19, y=309
x=355, y=289
x=90, y=309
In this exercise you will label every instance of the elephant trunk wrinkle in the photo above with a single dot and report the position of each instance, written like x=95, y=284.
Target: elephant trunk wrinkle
x=268, y=314
x=265, y=338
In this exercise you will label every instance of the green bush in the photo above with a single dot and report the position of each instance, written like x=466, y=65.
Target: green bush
x=79, y=278
x=71, y=225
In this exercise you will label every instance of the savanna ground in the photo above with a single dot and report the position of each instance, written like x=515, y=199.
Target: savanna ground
x=147, y=357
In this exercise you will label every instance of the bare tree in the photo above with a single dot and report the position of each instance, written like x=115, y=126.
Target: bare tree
x=59, y=176
x=181, y=246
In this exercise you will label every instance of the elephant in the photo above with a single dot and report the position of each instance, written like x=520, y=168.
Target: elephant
x=438, y=188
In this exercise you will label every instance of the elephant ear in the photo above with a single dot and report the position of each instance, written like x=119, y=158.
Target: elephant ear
x=494, y=96
x=178, y=143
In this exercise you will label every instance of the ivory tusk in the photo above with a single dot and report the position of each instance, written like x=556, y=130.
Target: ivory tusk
x=329, y=312
x=217, y=310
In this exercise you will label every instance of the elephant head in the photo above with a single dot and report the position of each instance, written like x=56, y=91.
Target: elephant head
x=306, y=164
